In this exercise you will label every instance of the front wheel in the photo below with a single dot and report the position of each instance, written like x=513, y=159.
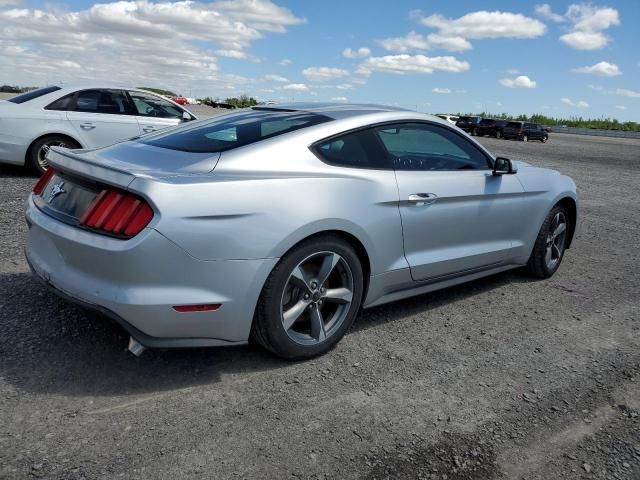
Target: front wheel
x=310, y=299
x=37, y=157
x=544, y=139
x=525, y=138
x=550, y=245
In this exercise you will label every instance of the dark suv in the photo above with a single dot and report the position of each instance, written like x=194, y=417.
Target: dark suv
x=491, y=127
x=468, y=124
x=525, y=131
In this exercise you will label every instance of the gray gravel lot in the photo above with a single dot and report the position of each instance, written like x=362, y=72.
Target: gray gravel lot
x=505, y=377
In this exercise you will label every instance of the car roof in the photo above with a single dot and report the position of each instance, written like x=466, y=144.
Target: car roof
x=337, y=111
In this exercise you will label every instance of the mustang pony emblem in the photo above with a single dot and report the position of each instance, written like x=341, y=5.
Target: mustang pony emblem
x=56, y=190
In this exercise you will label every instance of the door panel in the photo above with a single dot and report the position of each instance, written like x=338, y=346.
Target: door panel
x=153, y=112
x=456, y=215
x=101, y=117
x=472, y=223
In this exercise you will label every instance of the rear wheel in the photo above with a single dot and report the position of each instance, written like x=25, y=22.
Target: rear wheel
x=310, y=299
x=545, y=138
x=498, y=134
x=550, y=244
x=474, y=132
x=37, y=156
x=525, y=138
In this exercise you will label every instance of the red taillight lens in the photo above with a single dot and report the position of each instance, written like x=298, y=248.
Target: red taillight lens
x=117, y=212
x=42, y=182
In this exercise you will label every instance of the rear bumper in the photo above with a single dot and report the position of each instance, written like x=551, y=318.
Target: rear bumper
x=137, y=282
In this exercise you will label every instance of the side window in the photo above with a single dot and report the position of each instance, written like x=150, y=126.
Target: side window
x=148, y=105
x=359, y=149
x=64, y=103
x=111, y=102
x=417, y=146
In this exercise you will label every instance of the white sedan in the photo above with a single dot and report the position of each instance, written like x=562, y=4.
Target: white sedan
x=79, y=117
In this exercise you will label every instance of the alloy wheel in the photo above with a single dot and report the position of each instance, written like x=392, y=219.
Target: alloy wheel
x=316, y=298
x=44, y=149
x=556, y=240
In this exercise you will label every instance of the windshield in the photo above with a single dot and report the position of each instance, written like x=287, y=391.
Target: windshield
x=25, y=97
x=233, y=131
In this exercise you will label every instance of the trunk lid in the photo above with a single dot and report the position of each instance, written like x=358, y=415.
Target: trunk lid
x=148, y=160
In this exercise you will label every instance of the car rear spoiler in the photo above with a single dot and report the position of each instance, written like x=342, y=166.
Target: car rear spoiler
x=75, y=162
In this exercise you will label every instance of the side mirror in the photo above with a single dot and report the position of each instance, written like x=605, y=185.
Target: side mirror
x=504, y=166
x=186, y=117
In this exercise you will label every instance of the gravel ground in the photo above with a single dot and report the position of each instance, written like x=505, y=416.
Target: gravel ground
x=504, y=377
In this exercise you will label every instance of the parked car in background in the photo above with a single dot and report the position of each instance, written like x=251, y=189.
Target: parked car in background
x=79, y=116
x=524, y=131
x=167, y=233
x=468, y=124
x=180, y=100
x=491, y=127
x=452, y=119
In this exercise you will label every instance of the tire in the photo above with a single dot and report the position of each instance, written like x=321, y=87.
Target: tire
x=297, y=317
x=525, y=138
x=36, y=157
x=498, y=134
x=474, y=132
x=550, y=246
x=544, y=139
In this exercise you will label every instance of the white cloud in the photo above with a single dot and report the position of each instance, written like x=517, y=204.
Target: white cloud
x=441, y=90
x=585, y=40
x=415, y=41
x=10, y=3
x=513, y=71
x=597, y=88
x=403, y=64
x=627, y=93
x=519, y=82
x=359, y=53
x=339, y=99
x=602, y=69
x=483, y=24
x=275, y=78
x=621, y=107
x=147, y=41
x=344, y=86
x=296, y=86
x=285, y=62
x=578, y=104
x=588, y=23
x=232, y=53
x=545, y=12
x=324, y=74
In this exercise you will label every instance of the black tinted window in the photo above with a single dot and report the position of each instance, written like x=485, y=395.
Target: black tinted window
x=148, y=105
x=64, y=103
x=486, y=121
x=360, y=149
x=25, y=97
x=514, y=124
x=233, y=131
x=417, y=146
x=102, y=101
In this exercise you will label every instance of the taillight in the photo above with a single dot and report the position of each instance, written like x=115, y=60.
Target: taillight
x=42, y=182
x=118, y=213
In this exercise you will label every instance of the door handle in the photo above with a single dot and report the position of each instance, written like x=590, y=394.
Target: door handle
x=87, y=126
x=149, y=129
x=422, y=199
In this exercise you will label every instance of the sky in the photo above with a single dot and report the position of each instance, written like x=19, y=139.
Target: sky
x=560, y=59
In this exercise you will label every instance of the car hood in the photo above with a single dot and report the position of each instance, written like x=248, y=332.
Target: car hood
x=139, y=158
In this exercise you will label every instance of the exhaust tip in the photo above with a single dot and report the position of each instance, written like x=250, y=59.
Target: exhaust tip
x=136, y=347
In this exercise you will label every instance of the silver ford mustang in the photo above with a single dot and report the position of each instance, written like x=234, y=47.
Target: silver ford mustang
x=277, y=224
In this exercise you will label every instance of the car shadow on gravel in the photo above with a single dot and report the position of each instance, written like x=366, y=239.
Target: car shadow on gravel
x=389, y=312
x=15, y=171
x=49, y=345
